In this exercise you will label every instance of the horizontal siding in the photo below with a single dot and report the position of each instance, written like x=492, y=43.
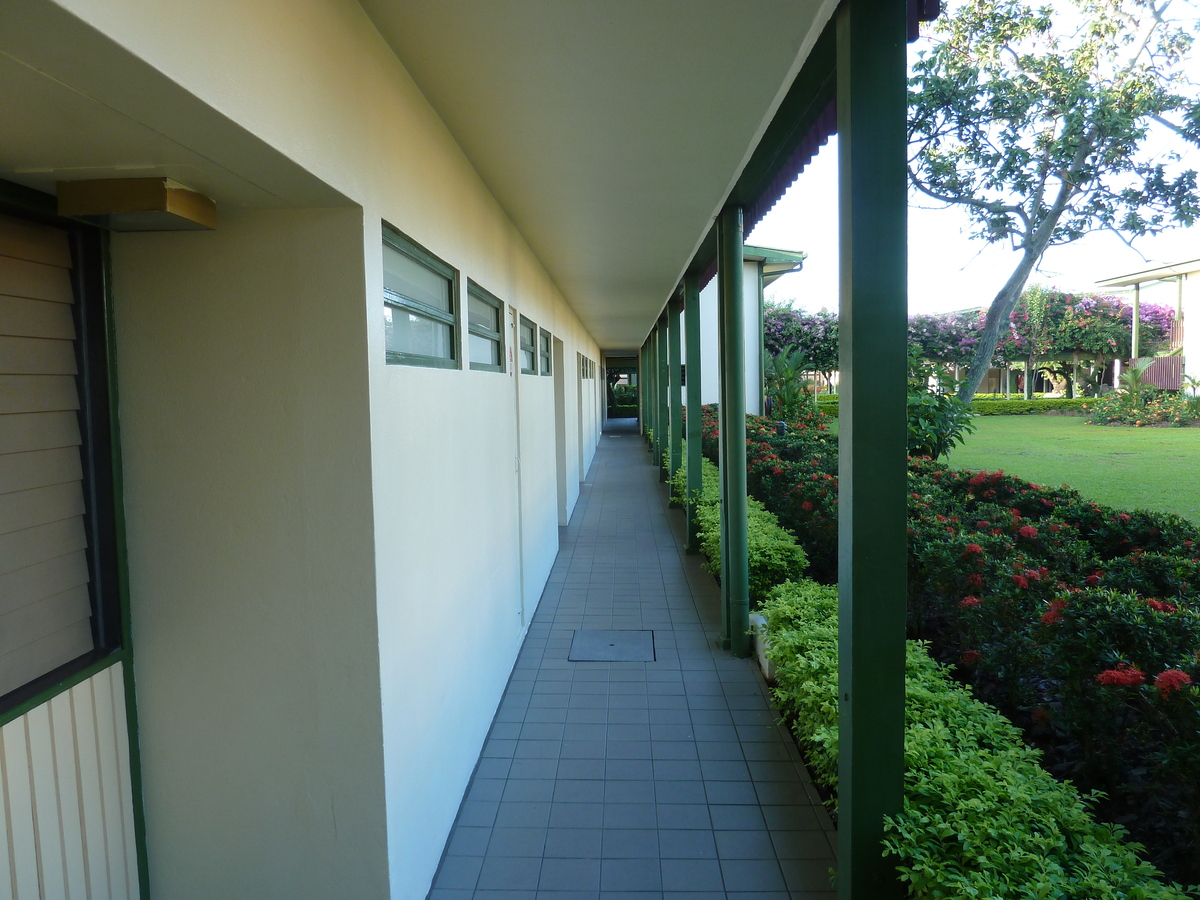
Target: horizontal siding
x=38, y=431
x=35, y=243
x=37, y=393
x=34, y=281
x=36, y=318
x=67, y=807
x=36, y=545
x=36, y=356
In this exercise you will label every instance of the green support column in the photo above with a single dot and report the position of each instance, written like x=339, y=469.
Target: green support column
x=645, y=414
x=871, y=97
x=651, y=388
x=674, y=376
x=735, y=570
x=691, y=314
x=663, y=433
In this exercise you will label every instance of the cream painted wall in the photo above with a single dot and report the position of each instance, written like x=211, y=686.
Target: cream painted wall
x=431, y=461
x=1191, y=325
x=246, y=437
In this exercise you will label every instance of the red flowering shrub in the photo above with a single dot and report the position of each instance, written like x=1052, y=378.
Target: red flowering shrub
x=1035, y=590
x=1171, y=680
x=1123, y=675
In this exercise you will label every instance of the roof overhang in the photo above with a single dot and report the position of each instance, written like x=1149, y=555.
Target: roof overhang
x=1159, y=273
x=612, y=132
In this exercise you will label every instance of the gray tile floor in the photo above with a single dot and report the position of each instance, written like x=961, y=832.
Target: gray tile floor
x=635, y=780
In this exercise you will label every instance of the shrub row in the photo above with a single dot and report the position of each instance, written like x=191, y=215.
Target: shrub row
x=981, y=817
x=1000, y=570
x=989, y=407
x=774, y=555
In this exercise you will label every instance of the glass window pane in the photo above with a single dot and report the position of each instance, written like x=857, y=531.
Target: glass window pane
x=482, y=315
x=408, y=332
x=527, y=336
x=484, y=350
x=527, y=362
x=545, y=338
x=408, y=278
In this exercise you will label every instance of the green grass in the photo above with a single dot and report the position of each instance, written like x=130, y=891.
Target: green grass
x=1132, y=468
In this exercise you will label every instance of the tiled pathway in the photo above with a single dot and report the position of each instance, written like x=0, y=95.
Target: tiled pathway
x=665, y=779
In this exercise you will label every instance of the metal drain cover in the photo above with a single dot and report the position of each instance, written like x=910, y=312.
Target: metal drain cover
x=612, y=646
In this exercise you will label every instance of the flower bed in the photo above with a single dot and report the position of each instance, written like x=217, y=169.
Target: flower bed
x=981, y=818
x=1048, y=605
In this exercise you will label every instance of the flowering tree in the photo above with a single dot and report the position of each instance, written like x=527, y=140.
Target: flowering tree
x=1039, y=132
x=814, y=335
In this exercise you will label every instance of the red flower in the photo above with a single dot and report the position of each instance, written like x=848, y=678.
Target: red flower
x=1188, y=543
x=1123, y=675
x=1027, y=531
x=1171, y=680
x=1092, y=580
x=975, y=579
x=1124, y=517
x=777, y=471
x=806, y=506
x=967, y=602
x=972, y=548
x=1054, y=613
x=1020, y=581
x=1162, y=606
x=970, y=657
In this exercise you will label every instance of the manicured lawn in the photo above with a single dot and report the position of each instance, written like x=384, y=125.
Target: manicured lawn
x=1132, y=468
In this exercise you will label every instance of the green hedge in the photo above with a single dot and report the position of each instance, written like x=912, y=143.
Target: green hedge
x=981, y=817
x=1015, y=407
x=774, y=555
x=1023, y=407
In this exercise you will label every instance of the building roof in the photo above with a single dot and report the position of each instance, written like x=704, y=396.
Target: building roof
x=1159, y=273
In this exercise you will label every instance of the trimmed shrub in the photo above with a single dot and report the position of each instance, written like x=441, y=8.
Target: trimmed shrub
x=774, y=555
x=981, y=817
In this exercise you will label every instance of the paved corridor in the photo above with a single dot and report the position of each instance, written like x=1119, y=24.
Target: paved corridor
x=643, y=780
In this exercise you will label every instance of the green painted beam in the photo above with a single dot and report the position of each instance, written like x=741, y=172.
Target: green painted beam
x=674, y=376
x=871, y=88
x=662, y=434
x=735, y=571
x=691, y=313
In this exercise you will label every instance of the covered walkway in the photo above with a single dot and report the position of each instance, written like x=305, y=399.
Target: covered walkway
x=634, y=779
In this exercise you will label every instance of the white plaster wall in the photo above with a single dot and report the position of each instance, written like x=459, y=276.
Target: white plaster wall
x=246, y=437
x=1191, y=325
x=443, y=548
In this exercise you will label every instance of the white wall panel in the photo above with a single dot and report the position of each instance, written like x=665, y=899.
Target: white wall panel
x=62, y=765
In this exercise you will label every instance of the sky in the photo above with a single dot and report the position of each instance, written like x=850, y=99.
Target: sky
x=947, y=269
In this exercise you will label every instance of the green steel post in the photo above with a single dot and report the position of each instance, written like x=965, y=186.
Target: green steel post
x=691, y=313
x=643, y=405
x=651, y=384
x=674, y=313
x=735, y=573
x=872, y=106
x=663, y=433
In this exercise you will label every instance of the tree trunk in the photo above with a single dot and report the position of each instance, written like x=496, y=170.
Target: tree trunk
x=997, y=317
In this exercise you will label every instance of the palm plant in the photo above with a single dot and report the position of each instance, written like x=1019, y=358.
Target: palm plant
x=786, y=387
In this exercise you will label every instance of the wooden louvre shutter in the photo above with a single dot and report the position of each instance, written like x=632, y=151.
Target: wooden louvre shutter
x=45, y=611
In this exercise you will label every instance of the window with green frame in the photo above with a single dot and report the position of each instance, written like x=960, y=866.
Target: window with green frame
x=485, y=336
x=528, y=333
x=420, y=312
x=544, y=353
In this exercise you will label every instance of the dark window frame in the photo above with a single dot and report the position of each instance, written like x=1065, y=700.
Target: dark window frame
x=531, y=348
x=394, y=238
x=545, y=357
x=103, y=517
x=480, y=293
